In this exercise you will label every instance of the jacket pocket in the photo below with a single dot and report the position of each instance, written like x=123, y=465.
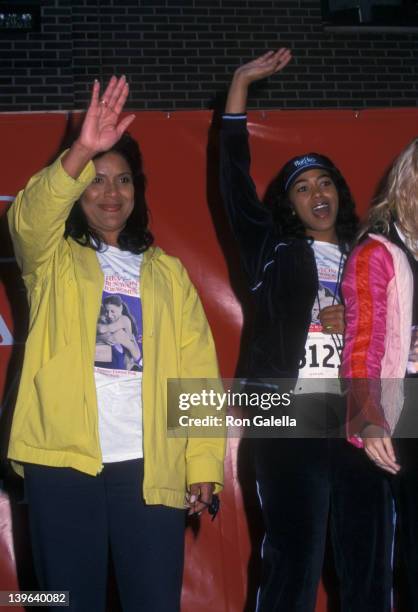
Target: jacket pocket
x=59, y=387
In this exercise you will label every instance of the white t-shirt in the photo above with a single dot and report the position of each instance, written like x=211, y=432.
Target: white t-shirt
x=118, y=361
x=322, y=356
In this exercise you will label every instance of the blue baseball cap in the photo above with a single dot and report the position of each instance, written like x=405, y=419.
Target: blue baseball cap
x=295, y=166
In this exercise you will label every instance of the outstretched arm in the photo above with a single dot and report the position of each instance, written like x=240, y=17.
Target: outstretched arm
x=251, y=222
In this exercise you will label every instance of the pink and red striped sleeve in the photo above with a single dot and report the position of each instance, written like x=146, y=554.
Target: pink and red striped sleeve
x=367, y=275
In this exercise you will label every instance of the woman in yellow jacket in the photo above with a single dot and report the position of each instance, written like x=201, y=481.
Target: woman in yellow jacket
x=90, y=425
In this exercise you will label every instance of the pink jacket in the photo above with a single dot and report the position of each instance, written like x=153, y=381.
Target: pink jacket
x=378, y=290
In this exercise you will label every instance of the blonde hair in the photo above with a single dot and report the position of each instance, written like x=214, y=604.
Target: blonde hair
x=399, y=199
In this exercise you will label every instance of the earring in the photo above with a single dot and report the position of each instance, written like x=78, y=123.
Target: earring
x=293, y=212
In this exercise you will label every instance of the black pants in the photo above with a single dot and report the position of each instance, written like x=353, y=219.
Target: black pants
x=75, y=517
x=405, y=490
x=304, y=484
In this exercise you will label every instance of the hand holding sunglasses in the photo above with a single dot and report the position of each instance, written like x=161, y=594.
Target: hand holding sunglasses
x=200, y=497
x=213, y=507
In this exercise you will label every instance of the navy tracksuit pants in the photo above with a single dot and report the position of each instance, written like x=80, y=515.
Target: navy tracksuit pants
x=307, y=485
x=75, y=519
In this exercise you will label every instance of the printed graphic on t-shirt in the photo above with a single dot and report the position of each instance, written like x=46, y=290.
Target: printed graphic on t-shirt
x=119, y=329
x=322, y=353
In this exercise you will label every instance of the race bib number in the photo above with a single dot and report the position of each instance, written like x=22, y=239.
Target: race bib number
x=321, y=360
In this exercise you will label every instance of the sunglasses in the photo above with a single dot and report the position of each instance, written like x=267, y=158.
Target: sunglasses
x=213, y=507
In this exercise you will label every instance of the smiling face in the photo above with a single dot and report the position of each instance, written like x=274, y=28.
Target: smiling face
x=109, y=199
x=315, y=199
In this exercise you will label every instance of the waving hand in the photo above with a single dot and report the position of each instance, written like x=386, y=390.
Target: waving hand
x=264, y=66
x=102, y=126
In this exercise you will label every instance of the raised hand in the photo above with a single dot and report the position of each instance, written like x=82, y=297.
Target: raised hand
x=264, y=66
x=102, y=126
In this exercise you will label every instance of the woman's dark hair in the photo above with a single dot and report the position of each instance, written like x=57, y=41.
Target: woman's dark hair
x=289, y=224
x=135, y=236
x=116, y=300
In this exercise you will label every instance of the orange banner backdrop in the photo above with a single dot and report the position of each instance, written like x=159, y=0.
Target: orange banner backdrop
x=180, y=155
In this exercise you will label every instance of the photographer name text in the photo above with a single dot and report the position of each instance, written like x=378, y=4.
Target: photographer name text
x=186, y=420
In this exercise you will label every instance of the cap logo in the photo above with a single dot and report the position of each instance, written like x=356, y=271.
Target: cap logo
x=299, y=163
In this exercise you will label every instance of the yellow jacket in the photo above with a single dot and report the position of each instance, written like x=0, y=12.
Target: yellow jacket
x=56, y=418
